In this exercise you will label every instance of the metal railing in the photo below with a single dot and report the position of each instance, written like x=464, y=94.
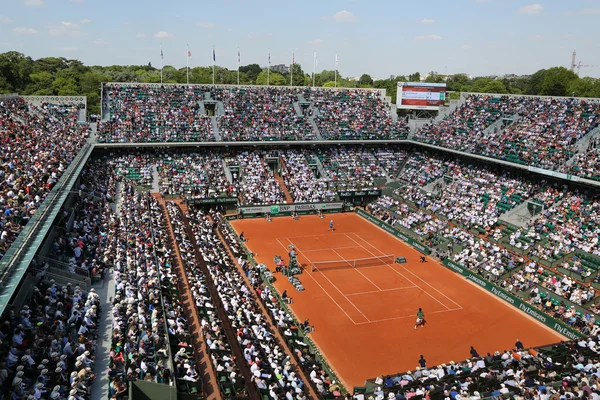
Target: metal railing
x=15, y=262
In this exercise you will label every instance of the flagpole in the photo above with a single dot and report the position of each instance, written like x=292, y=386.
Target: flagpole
x=292, y=70
x=314, y=67
x=238, y=67
x=187, y=70
x=161, y=64
x=214, y=59
x=335, y=76
x=269, y=68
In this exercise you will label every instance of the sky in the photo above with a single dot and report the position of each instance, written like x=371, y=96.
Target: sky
x=378, y=37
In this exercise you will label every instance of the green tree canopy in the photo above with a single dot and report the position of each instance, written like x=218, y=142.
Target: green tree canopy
x=365, y=79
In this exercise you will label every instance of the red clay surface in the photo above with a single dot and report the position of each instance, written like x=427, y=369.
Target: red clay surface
x=364, y=317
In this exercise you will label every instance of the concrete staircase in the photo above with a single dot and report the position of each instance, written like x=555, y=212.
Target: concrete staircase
x=92, y=132
x=401, y=169
x=201, y=108
x=298, y=109
x=227, y=172
x=431, y=186
x=155, y=180
x=215, y=128
x=82, y=118
x=288, y=197
x=320, y=166
x=315, y=129
x=518, y=215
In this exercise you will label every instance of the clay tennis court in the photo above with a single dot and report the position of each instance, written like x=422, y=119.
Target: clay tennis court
x=364, y=317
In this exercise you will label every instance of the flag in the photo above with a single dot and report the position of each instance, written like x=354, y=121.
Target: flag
x=269, y=57
x=161, y=53
x=189, y=53
x=292, y=57
x=336, y=61
x=214, y=55
x=316, y=60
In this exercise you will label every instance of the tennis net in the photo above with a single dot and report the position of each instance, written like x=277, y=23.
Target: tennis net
x=353, y=263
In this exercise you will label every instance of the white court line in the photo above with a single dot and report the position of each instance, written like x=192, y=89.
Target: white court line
x=396, y=271
x=330, y=248
x=356, y=269
x=336, y=288
x=408, y=316
x=410, y=272
x=307, y=236
x=383, y=290
x=322, y=288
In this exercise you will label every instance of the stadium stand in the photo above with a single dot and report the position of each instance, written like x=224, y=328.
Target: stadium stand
x=551, y=260
x=541, y=131
x=564, y=370
x=38, y=143
x=354, y=114
x=258, y=113
x=149, y=113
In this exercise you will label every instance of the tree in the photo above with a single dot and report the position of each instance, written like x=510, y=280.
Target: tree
x=15, y=68
x=416, y=77
x=275, y=79
x=457, y=82
x=329, y=84
x=65, y=87
x=556, y=80
x=584, y=87
x=494, y=87
x=535, y=82
x=298, y=75
x=365, y=79
x=434, y=77
x=252, y=71
x=41, y=84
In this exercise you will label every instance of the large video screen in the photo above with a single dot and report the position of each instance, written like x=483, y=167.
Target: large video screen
x=421, y=96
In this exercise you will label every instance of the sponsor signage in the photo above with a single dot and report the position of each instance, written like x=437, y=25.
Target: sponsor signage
x=212, y=200
x=359, y=193
x=289, y=208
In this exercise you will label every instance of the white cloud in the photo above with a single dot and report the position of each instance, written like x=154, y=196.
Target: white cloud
x=536, y=37
x=64, y=29
x=85, y=21
x=428, y=37
x=342, y=16
x=466, y=47
x=34, y=3
x=531, y=9
x=427, y=21
x=71, y=25
x=5, y=20
x=571, y=36
x=140, y=36
x=316, y=41
x=100, y=42
x=24, y=31
x=164, y=35
x=206, y=25
x=69, y=49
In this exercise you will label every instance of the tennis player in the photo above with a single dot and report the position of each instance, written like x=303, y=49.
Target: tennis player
x=420, y=319
x=331, y=228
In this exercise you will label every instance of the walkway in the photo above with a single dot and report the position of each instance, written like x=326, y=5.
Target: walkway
x=209, y=380
x=106, y=291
